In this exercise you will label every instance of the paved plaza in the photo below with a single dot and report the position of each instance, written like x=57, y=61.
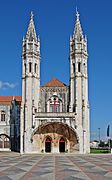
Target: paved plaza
x=55, y=167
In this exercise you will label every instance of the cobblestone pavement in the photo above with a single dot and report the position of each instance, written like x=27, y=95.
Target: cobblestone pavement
x=55, y=167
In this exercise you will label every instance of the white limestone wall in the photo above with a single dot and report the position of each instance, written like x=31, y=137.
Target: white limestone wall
x=30, y=92
x=80, y=88
x=5, y=125
x=72, y=79
x=85, y=106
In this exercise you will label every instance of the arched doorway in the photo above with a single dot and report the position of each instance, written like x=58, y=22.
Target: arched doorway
x=48, y=145
x=62, y=145
x=4, y=142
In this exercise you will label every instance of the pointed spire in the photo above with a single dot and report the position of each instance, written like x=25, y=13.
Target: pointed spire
x=23, y=39
x=85, y=38
x=78, y=33
x=31, y=33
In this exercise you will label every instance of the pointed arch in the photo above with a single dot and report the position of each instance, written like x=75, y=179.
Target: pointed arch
x=54, y=104
x=62, y=142
x=4, y=141
x=48, y=144
x=57, y=127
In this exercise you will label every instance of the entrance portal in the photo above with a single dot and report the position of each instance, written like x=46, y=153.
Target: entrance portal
x=55, y=137
x=48, y=144
x=62, y=145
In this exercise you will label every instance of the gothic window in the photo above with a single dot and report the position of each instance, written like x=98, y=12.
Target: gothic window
x=25, y=68
x=55, y=104
x=79, y=67
x=73, y=67
x=35, y=68
x=3, y=116
x=30, y=67
x=51, y=108
x=57, y=108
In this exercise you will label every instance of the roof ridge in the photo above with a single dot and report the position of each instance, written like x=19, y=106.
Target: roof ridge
x=54, y=83
x=10, y=98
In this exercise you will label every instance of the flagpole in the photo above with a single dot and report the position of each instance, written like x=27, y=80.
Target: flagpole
x=108, y=135
x=109, y=143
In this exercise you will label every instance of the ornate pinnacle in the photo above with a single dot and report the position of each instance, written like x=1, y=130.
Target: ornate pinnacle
x=77, y=14
x=78, y=29
x=31, y=33
x=31, y=15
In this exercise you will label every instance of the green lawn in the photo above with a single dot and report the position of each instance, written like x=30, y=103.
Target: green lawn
x=99, y=151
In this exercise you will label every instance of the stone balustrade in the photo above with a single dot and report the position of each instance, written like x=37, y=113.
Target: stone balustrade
x=55, y=115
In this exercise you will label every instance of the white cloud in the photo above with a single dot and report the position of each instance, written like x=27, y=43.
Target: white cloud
x=6, y=85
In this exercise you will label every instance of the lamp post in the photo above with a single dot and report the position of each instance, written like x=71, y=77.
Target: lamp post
x=83, y=139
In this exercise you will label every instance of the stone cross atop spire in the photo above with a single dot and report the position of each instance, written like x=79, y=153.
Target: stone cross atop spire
x=77, y=15
x=31, y=15
x=78, y=33
x=31, y=33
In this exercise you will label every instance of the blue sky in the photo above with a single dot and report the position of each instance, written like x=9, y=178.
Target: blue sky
x=54, y=21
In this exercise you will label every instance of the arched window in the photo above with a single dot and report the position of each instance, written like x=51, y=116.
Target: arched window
x=79, y=67
x=74, y=67
x=2, y=115
x=55, y=104
x=25, y=68
x=35, y=68
x=30, y=67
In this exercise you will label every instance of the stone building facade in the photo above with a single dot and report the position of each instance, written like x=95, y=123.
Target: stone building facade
x=54, y=117
x=10, y=123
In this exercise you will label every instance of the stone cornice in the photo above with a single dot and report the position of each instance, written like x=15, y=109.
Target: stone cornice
x=55, y=115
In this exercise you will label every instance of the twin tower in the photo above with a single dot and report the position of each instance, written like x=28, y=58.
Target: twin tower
x=54, y=117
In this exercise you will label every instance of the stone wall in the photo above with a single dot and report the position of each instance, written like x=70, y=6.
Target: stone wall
x=5, y=125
